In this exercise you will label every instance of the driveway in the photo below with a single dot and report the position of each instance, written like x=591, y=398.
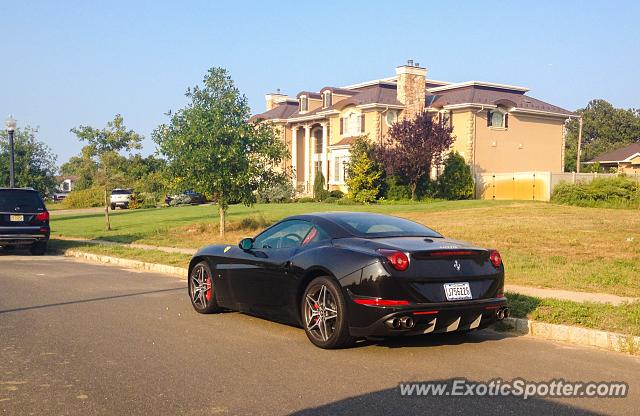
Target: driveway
x=84, y=339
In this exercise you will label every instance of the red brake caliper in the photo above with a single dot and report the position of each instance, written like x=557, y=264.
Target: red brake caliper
x=207, y=295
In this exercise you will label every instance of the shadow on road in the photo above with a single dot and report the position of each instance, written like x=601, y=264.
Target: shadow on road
x=72, y=302
x=390, y=402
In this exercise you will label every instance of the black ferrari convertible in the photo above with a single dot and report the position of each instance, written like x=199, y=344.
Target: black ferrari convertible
x=347, y=275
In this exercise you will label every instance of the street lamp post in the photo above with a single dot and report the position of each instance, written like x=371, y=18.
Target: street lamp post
x=10, y=124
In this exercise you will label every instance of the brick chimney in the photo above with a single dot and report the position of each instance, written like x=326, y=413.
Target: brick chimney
x=274, y=98
x=411, y=88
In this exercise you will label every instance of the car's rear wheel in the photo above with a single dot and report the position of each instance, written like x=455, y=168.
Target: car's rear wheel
x=201, y=290
x=38, y=249
x=324, y=314
x=113, y=207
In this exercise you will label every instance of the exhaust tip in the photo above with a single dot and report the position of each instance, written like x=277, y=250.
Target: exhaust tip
x=394, y=323
x=407, y=322
x=507, y=312
x=500, y=314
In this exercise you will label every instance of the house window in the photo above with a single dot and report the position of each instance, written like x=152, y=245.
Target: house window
x=317, y=135
x=391, y=117
x=497, y=119
x=326, y=99
x=352, y=124
x=445, y=118
x=340, y=165
x=304, y=103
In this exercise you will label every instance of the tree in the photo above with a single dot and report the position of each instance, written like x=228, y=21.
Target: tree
x=456, y=181
x=412, y=147
x=34, y=162
x=319, y=191
x=604, y=128
x=210, y=145
x=105, y=145
x=364, y=174
x=83, y=166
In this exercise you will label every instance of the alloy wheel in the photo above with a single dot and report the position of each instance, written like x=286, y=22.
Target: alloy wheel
x=201, y=288
x=321, y=313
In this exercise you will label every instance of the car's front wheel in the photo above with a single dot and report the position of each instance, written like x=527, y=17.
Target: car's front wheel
x=201, y=290
x=324, y=314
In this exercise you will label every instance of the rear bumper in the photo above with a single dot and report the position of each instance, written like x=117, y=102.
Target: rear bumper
x=432, y=317
x=23, y=235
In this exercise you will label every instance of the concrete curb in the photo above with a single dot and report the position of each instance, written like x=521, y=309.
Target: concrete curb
x=131, y=264
x=610, y=341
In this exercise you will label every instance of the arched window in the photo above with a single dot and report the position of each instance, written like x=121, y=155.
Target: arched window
x=352, y=124
x=304, y=104
x=497, y=118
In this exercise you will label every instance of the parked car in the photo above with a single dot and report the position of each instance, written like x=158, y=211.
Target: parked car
x=24, y=220
x=120, y=198
x=59, y=196
x=186, y=197
x=344, y=275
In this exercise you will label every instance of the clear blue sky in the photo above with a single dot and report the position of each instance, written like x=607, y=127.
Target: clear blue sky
x=68, y=63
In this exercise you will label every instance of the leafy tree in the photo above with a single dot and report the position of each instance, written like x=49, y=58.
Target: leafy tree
x=319, y=191
x=364, y=174
x=34, y=162
x=604, y=128
x=210, y=145
x=456, y=181
x=106, y=144
x=83, y=166
x=412, y=147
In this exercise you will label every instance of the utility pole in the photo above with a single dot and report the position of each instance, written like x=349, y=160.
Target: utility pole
x=579, y=144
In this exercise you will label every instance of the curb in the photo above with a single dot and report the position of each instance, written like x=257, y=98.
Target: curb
x=131, y=264
x=610, y=341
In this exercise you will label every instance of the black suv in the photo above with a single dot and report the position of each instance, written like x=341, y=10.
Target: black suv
x=24, y=220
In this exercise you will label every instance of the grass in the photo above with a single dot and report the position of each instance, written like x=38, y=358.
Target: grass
x=150, y=256
x=542, y=244
x=623, y=318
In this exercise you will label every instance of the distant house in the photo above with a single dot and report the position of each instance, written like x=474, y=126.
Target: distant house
x=624, y=160
x=497, y=127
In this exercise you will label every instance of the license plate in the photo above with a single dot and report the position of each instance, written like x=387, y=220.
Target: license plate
x=16, y=218
x=457, y=291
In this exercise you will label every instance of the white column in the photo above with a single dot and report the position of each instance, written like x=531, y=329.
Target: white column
x=294, y=156
x=307, y=138
x=325, y=156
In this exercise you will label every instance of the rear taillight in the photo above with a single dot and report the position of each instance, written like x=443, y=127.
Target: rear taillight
x=495, y=258
x=43, y=216
x=397, y=259
x=380, y=302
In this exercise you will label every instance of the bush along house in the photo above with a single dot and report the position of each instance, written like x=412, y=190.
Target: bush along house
x=497, y=127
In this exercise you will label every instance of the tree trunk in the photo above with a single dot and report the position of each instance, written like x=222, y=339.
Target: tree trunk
x=414, y=187
x=106, y=210
x=222, y=219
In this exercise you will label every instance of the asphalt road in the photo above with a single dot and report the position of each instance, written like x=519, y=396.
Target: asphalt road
x=83, y=339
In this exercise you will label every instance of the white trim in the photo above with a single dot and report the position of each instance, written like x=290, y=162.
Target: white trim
x=465, y=105
x=542, y=112
x=380, y=105
x=386, y=81
x=435, y=81
x=479, y=84
x=305, y=118
x=631, y=157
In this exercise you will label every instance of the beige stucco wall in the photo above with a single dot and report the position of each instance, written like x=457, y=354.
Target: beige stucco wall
x=531, y=143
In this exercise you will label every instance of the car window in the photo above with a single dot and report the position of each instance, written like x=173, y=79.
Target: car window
x=16, y=200
x=121, y=192
x=287, y=234
x=373, y=225
x=315, y=235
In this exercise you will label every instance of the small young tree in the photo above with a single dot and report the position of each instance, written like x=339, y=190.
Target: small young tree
x=319, y=191
x=456, y=181
x=412, y=147
x=210, y=145
x=105, y=145
x=364, y=174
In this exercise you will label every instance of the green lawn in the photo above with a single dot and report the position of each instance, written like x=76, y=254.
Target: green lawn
x=542, y=244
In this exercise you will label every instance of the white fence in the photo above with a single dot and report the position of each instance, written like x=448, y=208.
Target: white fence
x=533, y=186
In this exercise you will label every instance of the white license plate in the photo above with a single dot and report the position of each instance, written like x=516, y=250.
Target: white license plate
x=457, y=291
x=16, y=218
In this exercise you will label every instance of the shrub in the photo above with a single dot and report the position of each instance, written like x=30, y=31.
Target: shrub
x=305, y=199
x=616, y=192
x=86, y=198
x=347, y=201
x=319, y=191
x=251, y=223
x=395, y=190
x=280, y=192
x=456, y=182
x=336, y=193
x=330, y=200
x=364, y=173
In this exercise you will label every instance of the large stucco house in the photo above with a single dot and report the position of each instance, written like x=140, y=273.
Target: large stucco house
x=497, y=128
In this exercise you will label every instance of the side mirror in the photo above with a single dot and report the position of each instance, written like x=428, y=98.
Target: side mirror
x=246, y=243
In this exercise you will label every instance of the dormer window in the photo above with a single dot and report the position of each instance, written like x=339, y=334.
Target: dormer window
x=497, y=119
x=304, y=104
x=326, y=99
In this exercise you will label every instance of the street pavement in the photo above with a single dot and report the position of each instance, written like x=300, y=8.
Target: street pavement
x=84, y=339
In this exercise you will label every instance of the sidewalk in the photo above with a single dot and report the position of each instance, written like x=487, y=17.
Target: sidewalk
x=522, y=290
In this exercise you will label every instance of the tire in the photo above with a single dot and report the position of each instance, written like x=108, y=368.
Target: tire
x=38, y=249
x=203, y=301
x=113, y=207
x=321, y=300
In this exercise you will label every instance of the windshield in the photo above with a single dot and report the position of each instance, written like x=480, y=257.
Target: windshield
x=121, y=192
x=14, y=200
x=375, y=225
